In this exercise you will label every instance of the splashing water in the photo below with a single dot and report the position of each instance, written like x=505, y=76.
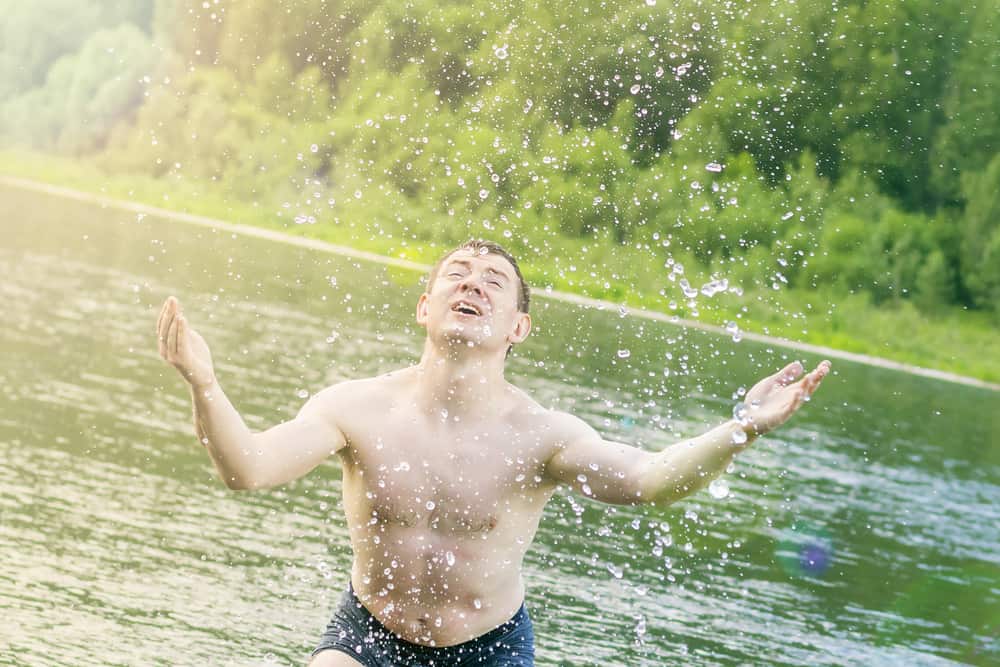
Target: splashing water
x=719, y=488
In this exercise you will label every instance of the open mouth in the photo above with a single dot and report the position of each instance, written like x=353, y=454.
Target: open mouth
x=466, y=308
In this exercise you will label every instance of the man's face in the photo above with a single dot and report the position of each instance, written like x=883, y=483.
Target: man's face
x=473, y=301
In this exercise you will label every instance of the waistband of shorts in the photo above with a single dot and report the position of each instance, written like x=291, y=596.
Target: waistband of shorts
x=518, y=619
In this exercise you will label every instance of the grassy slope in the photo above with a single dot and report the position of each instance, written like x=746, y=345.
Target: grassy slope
x=955, y=341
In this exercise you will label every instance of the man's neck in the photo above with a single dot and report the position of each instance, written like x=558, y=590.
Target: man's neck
x=461, y=384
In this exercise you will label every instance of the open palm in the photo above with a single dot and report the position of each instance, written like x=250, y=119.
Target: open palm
x=183, y=347
x=774, y=399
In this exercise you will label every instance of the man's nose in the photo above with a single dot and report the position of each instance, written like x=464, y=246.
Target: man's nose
x=472, y=284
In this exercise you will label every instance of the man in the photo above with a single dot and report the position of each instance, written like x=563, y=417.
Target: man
x=447, y=468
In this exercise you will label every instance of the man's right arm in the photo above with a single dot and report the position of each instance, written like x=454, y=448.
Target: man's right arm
x=246, y=460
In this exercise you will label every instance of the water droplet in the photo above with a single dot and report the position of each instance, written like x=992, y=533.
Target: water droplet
x=449, y=558
x=713, y=287
x=624, y=354
x=650, y=3
x=739, y=437
x=500, y=52
x=714, y=167
x=302, y=393
x=719, y=488
x=787, y=215
x=635, y=89
x=483, y=194
x=640, y=626
x=477, y=603
x=527, y=105
x=696, y=26
x=430, y=505
x=616, y=572
x=314, y=148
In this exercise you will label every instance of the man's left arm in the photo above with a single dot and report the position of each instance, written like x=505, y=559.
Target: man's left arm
x=620, y=474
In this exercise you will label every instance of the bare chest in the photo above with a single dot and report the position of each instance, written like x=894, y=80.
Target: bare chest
x=446, y=479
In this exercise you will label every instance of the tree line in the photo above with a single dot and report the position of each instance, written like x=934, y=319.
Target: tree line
x=850, y=145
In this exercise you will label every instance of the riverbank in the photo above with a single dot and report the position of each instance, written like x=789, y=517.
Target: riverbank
x=955, y=346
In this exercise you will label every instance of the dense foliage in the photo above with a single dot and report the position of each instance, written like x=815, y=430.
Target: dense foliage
x=851, y=146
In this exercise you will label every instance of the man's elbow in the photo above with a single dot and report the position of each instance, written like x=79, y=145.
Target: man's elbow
x=666, y=496
x=244, y=481
x=238, y=483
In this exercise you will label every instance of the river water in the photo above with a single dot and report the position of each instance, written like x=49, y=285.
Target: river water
x=866, y=532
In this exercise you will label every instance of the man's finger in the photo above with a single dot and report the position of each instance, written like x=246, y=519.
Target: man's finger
x=159, y=318
x=168, y=307
x=813, y=379
x=787, y=375
x=182, y=332
x=161, y=329
x=167, y=323
x=172, y=338
x=178, y=331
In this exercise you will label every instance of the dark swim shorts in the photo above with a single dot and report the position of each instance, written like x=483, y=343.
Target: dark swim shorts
x=353, y=630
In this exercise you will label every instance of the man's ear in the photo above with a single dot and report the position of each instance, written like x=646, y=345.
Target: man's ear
x=522, y=327
x=422, y=309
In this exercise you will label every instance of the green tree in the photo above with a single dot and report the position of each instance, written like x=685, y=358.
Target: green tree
x=981, y=236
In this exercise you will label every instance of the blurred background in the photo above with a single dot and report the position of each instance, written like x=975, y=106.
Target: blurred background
x=835, y=163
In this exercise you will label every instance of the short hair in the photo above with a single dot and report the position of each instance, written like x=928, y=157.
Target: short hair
x=487, y=248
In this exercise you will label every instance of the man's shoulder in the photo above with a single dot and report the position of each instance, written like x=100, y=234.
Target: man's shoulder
x=360, y=389
x=556, y=424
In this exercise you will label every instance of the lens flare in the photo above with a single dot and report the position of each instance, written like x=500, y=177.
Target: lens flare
x=805, y=551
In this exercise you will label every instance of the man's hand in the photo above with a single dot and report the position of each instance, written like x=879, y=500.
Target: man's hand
x=774, y=399
x=183, y=347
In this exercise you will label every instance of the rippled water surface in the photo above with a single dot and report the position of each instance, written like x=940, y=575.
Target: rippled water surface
x=866, y=532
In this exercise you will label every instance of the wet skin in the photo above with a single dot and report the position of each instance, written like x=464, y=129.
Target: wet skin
x=440, y=512
x=446, y=466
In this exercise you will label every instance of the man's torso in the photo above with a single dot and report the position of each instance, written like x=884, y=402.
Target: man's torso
x=441, y=510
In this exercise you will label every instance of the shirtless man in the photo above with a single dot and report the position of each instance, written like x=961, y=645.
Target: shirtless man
x=447, y=468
